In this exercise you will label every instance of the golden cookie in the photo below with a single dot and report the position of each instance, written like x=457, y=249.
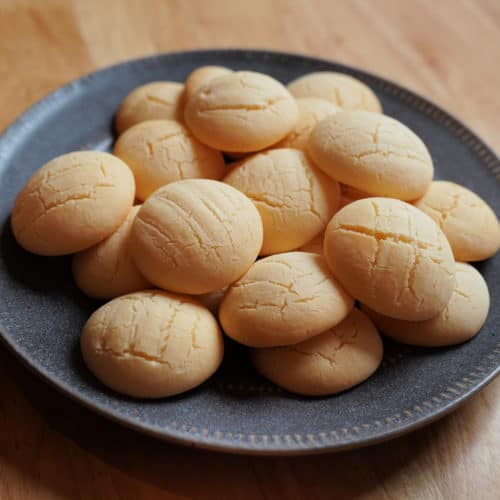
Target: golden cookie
x=342, y=90
x=460, y=320
x=373, y=153
x=330, y=362
x=163, y=151
x=283, y=299
x=392, y=257
x=311, y=111
x=241, y=112
x=73, y=202
x=107, y=269
x=294, y=198
x=152, y=101
x=468, y=222
x=196, y=236
x=152, y=344
x=202, y=76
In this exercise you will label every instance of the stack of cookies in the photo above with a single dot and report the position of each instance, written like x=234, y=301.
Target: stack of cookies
x=299, y=221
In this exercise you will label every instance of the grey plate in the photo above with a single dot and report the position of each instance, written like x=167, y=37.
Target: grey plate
x=42, y=312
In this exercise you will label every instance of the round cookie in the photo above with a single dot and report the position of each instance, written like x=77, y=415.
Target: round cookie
x=283, y=299
x=152, y=344
x=315, y=245
x=107, y=269
x=294, y=198
x=468, y=222
x=311, y=111
x=196, y=236
x=392, y=257
x=72, y=202
x=152, y=101
x=202, y=76
x=241, y=112
x=373, y=153
x=342, y=90
x=460, y=320
x=163, y=151
x=328, y=363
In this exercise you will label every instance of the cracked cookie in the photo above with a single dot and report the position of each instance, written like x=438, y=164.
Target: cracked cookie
x=468, y=222
x=241, y=112
x=392, y=257
x=152, y=344
x=201, y=76
x=283, y=299
x=152, y=101
x=162, y=151
x=196, y=236
x=342, y=90
x=372, y=153
x=73, y=202
x=107, y=269
x=460, y=320
x=295, y=199
x=311, y=111
x=330, y=362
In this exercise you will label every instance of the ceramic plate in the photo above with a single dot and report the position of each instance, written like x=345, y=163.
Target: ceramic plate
x=42, y=312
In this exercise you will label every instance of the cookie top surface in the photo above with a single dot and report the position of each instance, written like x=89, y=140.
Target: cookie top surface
x=241, y=112
x=283, y=299
x=162, y=151
x=372, y=153
x=391, y=257
x=471, y=226
x=73, y=202
x=152, y=344
x=295, y=199
x=196, y=236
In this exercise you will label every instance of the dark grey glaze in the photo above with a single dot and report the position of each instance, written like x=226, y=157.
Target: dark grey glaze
x=42, y=312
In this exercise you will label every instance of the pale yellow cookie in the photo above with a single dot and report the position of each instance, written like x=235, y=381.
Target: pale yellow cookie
x=283, y=299
x=330, y=362
x=373, y=153
x=152, y=101
x=468, y=222
x=152, y=344
x=200, y=77
x=72, y=203
x=163, y=151
x=342, y=90
x=196, y=236
x=311, y=111
x=241, y=112
x=294, y=198
x=107, y=269
x=392, y=257
x=460, y=320
x=315, y=245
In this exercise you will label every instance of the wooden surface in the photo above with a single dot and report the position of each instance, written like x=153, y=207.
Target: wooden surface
x=445, y=50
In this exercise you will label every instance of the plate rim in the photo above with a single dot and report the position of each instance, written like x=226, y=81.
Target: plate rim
x=217, y=440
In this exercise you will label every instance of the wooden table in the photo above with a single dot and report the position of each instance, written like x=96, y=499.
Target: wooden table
x=445, y=50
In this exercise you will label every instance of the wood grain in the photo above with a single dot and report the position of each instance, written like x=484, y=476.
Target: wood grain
x=446, y=50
